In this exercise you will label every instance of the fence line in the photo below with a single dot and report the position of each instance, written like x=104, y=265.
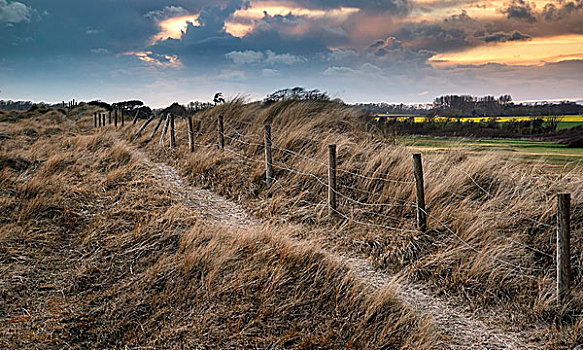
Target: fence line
x=347, y=200
x=403, y=182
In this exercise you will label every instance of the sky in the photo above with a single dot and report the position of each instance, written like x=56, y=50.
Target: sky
x=395, y=51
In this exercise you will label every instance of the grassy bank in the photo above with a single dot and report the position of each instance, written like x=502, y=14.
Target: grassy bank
x=492, y=223
x=96, y=252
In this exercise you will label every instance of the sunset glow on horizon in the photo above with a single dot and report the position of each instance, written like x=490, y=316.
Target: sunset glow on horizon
x=535, y=52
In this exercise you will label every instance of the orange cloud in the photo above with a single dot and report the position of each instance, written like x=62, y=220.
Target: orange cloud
x=537, y=51
x=243, y=21
x=174, y=27
x=170, y=61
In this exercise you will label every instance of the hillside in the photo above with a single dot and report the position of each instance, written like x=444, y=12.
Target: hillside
x=109, y=240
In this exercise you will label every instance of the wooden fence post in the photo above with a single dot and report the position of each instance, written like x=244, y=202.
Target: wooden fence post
x=172, y=137
x=268, y=162
x=115, y=118
x=144, y=126
x=99, y=117
x=103, y=116
x=94, y=119
x=421, y=212
x=122, y=118
x=332, y=179
x=109, y=117
x=136, y=117
x=190, y=134
x=164, y=129
x=563, y=246
x=157, y=126
x=221, y=136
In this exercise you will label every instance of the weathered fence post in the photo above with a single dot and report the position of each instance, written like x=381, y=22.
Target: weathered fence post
x=122, y=118
x=164, y=129
x=421, y=212
x=268, y=163
x=144, y=126
x=136, y=117
x=115, y=118
x=563, y=246
x=99, y=117
x=94, y=119
x=190, y=134
x=172, y=136
x=157, y=126
x=221, y=136
x=103, y=116
x=109, y=117
x=332, y=179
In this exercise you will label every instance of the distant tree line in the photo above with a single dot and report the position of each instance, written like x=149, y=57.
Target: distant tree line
x=297, y=93
x=486, y=106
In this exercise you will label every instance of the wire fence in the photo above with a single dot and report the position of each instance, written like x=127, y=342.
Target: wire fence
x=376, y=213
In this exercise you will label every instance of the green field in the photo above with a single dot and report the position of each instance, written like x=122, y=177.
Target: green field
x=532, y=151
x=566, y=121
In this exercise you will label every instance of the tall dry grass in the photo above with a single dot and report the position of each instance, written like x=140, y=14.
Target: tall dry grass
x=492, y=218
x=96, y=252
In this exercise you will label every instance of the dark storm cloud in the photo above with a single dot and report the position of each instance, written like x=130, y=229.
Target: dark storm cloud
x=520, y=9
x=270, y=43
x=503, y=37
x=393, y=6
x=553, y=13
x=434, y=37
x=65, y=27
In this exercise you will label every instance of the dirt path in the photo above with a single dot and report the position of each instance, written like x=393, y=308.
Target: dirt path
x=460, y=329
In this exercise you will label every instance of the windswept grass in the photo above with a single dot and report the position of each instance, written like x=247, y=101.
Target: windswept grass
x=492, y=221
x=96, y=252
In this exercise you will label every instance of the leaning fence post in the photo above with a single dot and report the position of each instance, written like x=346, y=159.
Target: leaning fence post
x=136, y=117
x=332, y=179
x=563, y=246
x=172, y=137
x=421, y=212
x=221, y=137
x=190, y=134
x=139, y=133
x=268, y=163
x=157, y=126
x=164, y=129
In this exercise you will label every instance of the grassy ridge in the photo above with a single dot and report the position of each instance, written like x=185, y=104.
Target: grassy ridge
x=95, y=252
x=491, y=219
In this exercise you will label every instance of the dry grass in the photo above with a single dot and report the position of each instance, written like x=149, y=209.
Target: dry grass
x=95, y=252
x=485, y=213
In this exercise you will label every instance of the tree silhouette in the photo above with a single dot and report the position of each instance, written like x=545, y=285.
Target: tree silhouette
x=218, y=98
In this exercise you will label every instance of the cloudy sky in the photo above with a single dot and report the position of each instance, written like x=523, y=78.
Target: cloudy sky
x=408, y=51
